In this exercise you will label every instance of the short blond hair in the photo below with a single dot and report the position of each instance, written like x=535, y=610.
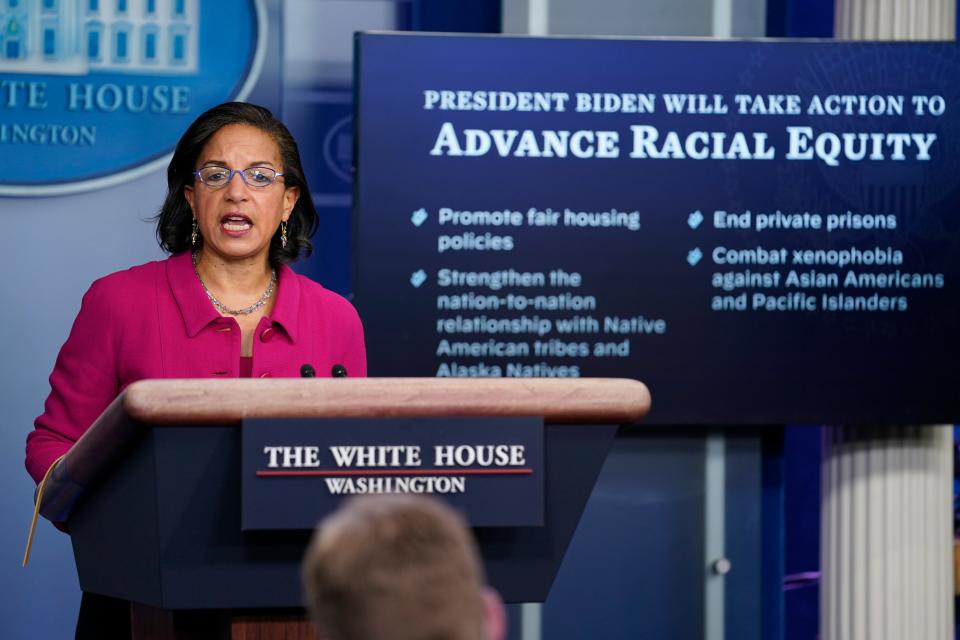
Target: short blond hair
x=394, y=566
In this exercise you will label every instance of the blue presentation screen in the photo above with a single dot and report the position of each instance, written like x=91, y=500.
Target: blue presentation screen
x=763, y=232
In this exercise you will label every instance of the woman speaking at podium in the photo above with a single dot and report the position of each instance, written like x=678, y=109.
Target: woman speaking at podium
x=224, y=304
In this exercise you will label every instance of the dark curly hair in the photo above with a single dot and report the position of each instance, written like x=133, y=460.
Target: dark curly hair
x=175, y=220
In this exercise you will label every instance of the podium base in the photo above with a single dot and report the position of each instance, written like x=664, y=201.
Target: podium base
x=151, y=623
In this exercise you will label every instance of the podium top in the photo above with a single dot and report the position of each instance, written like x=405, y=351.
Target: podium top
x=150, y=403
x=570, y=400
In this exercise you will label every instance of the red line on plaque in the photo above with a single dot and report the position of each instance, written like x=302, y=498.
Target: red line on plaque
x=400, y=472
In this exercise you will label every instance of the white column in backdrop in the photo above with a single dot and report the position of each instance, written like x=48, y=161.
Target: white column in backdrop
x=886, y=527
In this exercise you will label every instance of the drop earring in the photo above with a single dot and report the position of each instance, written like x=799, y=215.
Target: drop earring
x=193, y=233
x=283, y=234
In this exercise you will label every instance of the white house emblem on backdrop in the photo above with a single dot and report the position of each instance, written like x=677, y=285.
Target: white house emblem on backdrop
x=97, y=92
x=76, y=36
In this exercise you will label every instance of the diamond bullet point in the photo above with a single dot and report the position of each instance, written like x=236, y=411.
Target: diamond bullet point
x=418, y=217
x=695, y=219
x=418, y=278
x=694, y=256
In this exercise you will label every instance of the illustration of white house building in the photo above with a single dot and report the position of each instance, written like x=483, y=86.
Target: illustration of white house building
x=78, y=36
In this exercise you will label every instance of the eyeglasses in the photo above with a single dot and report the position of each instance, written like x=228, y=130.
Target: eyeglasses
x=256, y=177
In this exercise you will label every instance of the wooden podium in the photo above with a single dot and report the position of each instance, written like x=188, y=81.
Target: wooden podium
x=152, y=491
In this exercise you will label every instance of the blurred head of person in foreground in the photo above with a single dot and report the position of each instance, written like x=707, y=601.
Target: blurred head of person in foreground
x=401, y=567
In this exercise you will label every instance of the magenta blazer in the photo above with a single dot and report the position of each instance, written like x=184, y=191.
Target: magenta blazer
x=155, y=321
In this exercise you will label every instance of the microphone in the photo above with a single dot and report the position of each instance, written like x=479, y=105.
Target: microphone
x=307, y=371
x=338, y=371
